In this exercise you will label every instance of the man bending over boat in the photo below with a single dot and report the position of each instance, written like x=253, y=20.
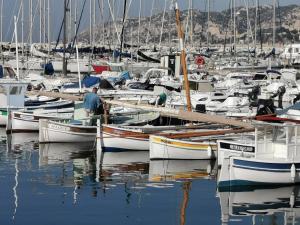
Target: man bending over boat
x=92, y=105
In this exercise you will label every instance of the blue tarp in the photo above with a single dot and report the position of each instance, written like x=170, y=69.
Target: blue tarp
x=89, y=81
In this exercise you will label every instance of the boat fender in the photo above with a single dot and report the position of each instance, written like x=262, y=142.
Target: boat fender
x=209, y=151
x=293, y=172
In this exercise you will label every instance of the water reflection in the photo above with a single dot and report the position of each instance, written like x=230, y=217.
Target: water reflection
x=264, y=206
x=172, y=170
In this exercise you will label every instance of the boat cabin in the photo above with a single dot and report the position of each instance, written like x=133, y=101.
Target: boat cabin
x=291, y=51
x=12, y=93
x=274, y=140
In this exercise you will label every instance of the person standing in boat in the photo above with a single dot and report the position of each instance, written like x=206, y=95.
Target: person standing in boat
x=92, y=105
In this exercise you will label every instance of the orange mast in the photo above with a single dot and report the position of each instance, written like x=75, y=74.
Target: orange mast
x=183, y=56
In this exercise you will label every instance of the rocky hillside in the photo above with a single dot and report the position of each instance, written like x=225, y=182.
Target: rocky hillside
x=220, y=27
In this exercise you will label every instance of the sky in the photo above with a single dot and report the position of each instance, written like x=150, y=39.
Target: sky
x=12, y=7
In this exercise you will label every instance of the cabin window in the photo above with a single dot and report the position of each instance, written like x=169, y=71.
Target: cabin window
x=296, y=50
x=219, y=94
x=202, y=99
x=259, y=77
x=15, y=90
x=290, y=50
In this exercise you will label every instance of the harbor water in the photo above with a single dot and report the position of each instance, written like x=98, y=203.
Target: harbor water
x=61, y=184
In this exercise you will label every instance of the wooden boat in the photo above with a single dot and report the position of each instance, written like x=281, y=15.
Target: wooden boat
x=276, y=159
x=55, y=131
x=167, y=148
x=118, y=138
x=29, y=122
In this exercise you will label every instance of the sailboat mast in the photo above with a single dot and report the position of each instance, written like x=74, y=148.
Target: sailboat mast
x=65, y=39
x=30, y=22
x=208, y=20
x=48, y=26
x=274, y=23
x=2, y=1
x=255, y=30
x=234, y=27
x=17, y=49
x=22, y=28
x=41, y=9
x=162, y=24
x=183, y=56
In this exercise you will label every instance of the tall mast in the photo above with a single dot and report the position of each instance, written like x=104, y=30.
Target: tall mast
x=70, y=20
x=30, y=22
x=234, y=27
x=48, y=26
x=22, y=27
x=274, y=23
x=44, y=21
x=162, y=24
x=94, y=20
x=183, y=56
x=17, y=50
x=192, y=24
x=208, y=20
x=140, y=12
x=40, y=5
x=255, y=30
x=65, y=39
x=91, y=18
x=2, y=1
x=150, y=20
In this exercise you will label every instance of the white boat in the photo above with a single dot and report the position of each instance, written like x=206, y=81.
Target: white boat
x=117, y=138
x=276, y=159
x=55, y=131
x=168, y=148
x=29, y=122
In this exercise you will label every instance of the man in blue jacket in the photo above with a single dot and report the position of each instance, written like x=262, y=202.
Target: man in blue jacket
x=92, y=104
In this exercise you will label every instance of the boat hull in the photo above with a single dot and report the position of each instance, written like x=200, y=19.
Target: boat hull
x=56, y=132
x=115, y=140
x=239, y=171
x=26, y=122
x=166, y=148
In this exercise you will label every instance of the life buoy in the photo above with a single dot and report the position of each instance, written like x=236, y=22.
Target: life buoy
x=199, y=60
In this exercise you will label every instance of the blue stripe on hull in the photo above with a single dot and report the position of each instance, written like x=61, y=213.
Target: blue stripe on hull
x=112, y=149
x=262, y=166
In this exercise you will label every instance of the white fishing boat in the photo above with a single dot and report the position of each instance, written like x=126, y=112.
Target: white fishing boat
x=29, y=122
x=55, y=131
x=168, y=148
x=118, y=138
x=276, y=159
